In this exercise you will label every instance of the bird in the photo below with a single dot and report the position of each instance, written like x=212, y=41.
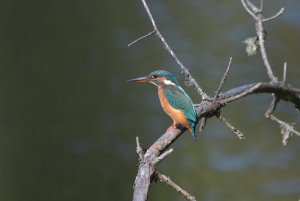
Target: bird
x=174, y=100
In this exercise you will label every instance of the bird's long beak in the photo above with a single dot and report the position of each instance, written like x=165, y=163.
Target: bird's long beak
x=139, y=79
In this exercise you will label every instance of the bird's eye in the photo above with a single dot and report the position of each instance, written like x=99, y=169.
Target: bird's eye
x=154, y=76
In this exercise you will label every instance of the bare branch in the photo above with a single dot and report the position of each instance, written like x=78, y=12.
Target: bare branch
x=223, y=81
x=248, y=10
x=204, y=109
x=253, y=7
x=149, y=14
x=287, y=130
x=257, y=15
x=234, y=130
x=202, y=124
x=261, y=5
x=162, y=156
x=141, y=38
x=171, y=52
x=274, y=16
x=139, y=150
x=210, y=107
x=285, y=92
x=261, y=41
x=240, y=95
x=272, y=106
x=169, y=182
x=284, y=73
x=147, y=165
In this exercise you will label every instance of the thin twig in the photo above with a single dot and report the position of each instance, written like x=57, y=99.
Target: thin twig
x=242, y=94
x=236, y=131
x=284, y=72
x=139, y=150
x=253, y=7
x=248, y=9
x=223, y=81
x=141, y=38
x=168, y=48
x=147, y=168
x=162, y=156
x=261, y=41
x=261, y=5
x=202, y=124
x=287, y=130
x=169, y=182
x=272, y=106
x=274, y=16
x=257, y=15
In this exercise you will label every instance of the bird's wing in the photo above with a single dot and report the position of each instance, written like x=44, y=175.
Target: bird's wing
x=179, y=99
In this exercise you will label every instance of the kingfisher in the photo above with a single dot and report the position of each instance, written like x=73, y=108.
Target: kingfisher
x=174, y=100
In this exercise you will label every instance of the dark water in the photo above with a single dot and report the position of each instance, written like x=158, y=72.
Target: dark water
x=68, y=119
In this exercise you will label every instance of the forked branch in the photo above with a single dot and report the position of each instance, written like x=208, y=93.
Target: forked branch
x=184, y=69
x=167, y=180
x=209, y=107
x=256, y=13
x=287, y=130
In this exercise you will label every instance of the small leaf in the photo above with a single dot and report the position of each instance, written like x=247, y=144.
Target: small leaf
x=251, y=45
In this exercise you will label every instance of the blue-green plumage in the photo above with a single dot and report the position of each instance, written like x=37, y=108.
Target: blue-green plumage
x=166, y=74
x=174, y=100
x=179, y=100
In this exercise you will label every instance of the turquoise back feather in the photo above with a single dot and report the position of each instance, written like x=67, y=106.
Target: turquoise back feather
x=180, y=100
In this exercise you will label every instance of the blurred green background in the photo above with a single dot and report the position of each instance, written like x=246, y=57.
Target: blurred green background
x=68, y=119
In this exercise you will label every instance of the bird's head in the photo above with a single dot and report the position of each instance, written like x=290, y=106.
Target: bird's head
x=158, y=78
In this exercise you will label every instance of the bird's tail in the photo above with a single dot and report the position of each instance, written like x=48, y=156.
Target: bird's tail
x=193, y=130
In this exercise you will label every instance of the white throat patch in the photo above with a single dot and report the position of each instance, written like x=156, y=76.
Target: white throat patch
x=168, y=82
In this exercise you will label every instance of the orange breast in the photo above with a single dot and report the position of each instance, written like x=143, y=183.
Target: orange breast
x=177, y=116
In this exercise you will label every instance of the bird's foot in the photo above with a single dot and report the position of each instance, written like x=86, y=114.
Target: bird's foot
x=179, y=126
x=176, y=126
